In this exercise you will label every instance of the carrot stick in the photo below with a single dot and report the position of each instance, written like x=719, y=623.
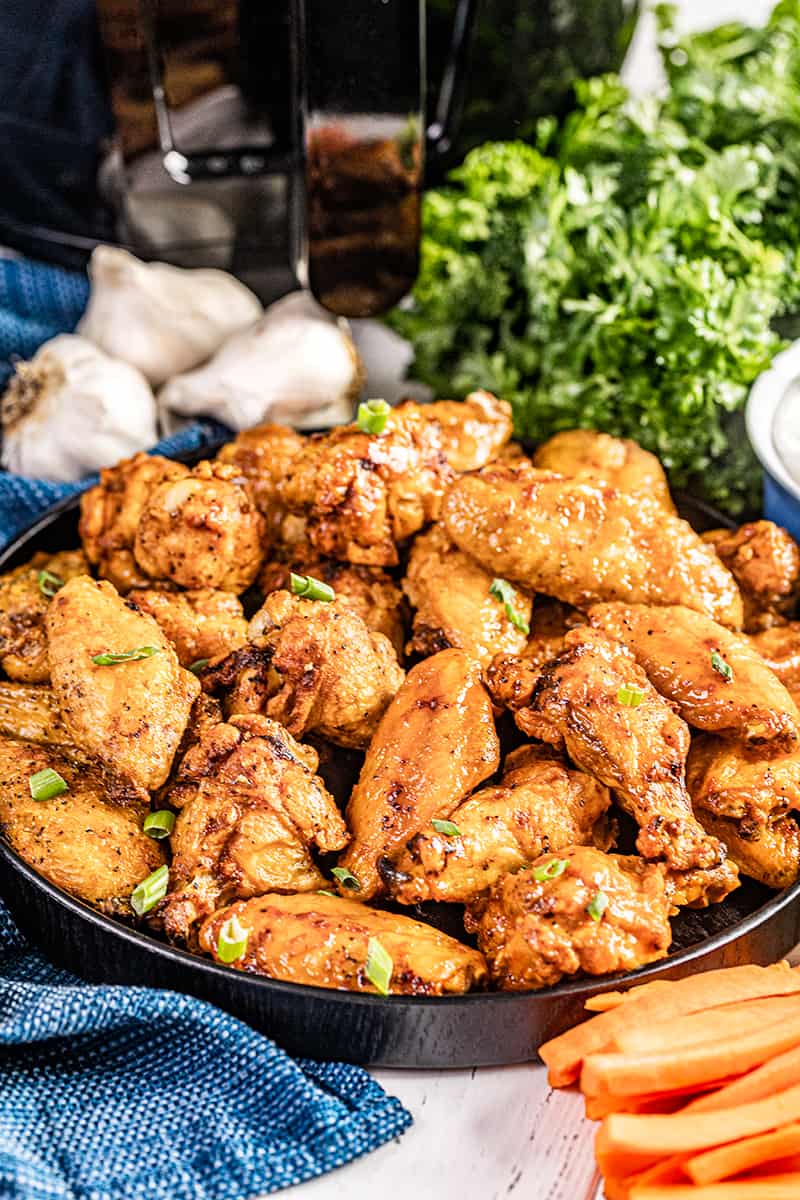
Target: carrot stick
x=663, y=1001
x=730, y=1021
x=764, y=1187
x=600, y=1104
x=775, y=1075
x=668, y=1170
x=733, y=1159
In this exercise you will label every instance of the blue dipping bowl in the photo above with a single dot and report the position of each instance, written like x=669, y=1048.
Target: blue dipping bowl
x=781, y=492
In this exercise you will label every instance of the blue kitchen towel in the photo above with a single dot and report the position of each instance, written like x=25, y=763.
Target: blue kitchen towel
x=120, y=1093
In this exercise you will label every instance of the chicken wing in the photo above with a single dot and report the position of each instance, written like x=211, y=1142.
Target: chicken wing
x=779, y=647
x=435, y=744
x=583, y=544
x=202, y=530
x=579, y=910
x=131, y=714
x=765, y=562
x=731, y=780
x=110, y=514
x=540, y=805
x=613, y=462
x=326, y=941
x=251, y=808
x=262, y=455
x=200, y=624
x=79, y=840
x=473, y=431
x=714, y=677
x=25, y=594
x=640, y=751
x=455, y=605
x=30, y=713
x=772, y=857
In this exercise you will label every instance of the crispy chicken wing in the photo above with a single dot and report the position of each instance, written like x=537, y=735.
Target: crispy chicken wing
x=540, y=805
x=30, y=713
x=79, y=840
x=473, y=431
x=130, y=716
x=599, y=913
x=202, y=531
x=583, y=543
x=765, y=562
x=251, y=808
x=714, y=677
x=614, y=462
x=731, y=780
x=325, y=941
x=779, y=647
x=436, y=742
x=23, y=605
x=574, y=702
x=454, y=605
x=110, y=514
x=771, y=857
x=201, y=623
x=262, y=455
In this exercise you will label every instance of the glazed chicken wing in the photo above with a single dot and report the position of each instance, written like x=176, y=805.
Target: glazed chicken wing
x=262, y=455
x=729, y=779
x=473, y=431
x=454, y=604
x=779, y=646
x=202, y=623
x=30, y=713
x=765, y=562
x=714, y=677
x=130, y=715
x=435, y=744
x=251, y=808
x=25, y=594
x=583, y=543
x=597, y=913
x=326, y=941
x=540, y=805
x=770, y=855
x=614, y=462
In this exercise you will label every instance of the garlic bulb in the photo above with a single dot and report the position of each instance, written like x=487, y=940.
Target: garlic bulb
x=159, y=318
x=72, y=409
x=297, y=364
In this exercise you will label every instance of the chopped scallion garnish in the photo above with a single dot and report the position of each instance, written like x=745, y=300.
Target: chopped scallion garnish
x=310, y=588
x=630, y=695
x=550, y=870
x=325, y=892
x=346, y=878
x=379, y=966
x=372, y=416
x=49, y=583
x=199, y=665
x=232, y=941
x=46, y=784
x=447, y=828
x=597, y=906
x=159, y=824
x=721, y=667
x=150, y=891
x=502, y=590
x=110, y=658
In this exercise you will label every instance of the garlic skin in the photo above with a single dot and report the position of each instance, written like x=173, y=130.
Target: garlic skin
x=159, y=318
x=71, y=410
x=297, y=366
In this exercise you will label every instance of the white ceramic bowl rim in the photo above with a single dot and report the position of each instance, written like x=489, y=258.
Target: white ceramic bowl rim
x=762, y=403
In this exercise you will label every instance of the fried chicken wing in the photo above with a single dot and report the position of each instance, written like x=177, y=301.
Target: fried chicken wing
x=772, y=857
x=131, y=715
x=729, y=779
x=640, y=751
x=714, y=677
x=25, y=594
x=79, y=840
x=614, y=462
x=599, y=913
x=325, y=941
x=435, y=744
x=251, y=808
x=110, y=514
x=30, y=713
x=540, y=805
x=583, y=543
x=779, y=647
x=201, y=623
x=202, y=531
x=454, y=604
x=473, y=431
x=765, y=562
x=262, y=455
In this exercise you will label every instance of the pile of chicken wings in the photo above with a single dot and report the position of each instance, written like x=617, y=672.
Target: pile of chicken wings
x=515, y=659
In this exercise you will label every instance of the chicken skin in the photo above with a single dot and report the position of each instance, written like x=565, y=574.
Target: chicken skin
x=25, y=594
x=613, y=462
x=435, y=744
x=251, y=807
x=200, y=624
x=765, y=562
x=30, y=713
x=779, y=647
x=110, y=514
x=771, y=857
x=727, y=778
x=585, y=544
x=640, y=751
x=597, y=913
x=325, y=941
x=714, y=677
x=540, y=805
x=202, y=531
x=262, y=455
x=473, y=431
x=130, y=715
x=79, y=840
x=454, y=604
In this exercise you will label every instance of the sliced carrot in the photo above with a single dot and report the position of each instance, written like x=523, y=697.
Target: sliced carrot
x=733, y=1159
x=669, y=1170
x=663, y=1000
x=765, y=1187
x=775, y=1075
x=730, y=1021
x=600, y=1104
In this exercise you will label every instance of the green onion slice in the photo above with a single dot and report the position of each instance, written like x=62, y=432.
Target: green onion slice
x=49, y=583
x=502, y=590
x=372, y=416
x=111, y=658
x=46, y=784
x=721, y=667
x=550, y=870
x=232, y=941
x=147, y=894
x=310, y=588
x=447, y=828
x=159, y=824
x=346, y=878
x=325, y=892
x=597, y=906
x=379, y=966
x=630, y=695
x=199, y=665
